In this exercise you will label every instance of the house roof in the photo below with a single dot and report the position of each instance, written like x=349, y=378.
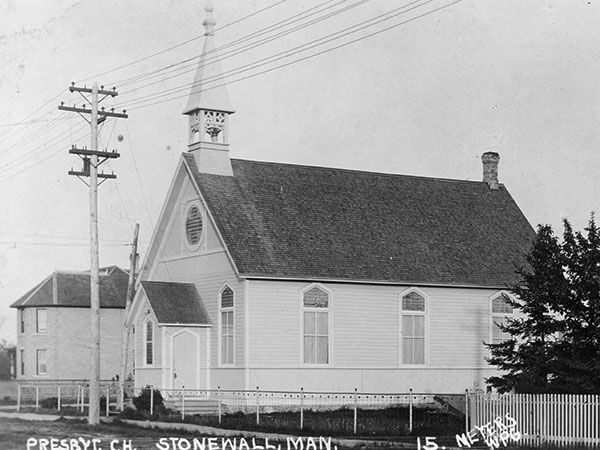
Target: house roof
x=176, y=303
x=72, y=289
x=292, y=221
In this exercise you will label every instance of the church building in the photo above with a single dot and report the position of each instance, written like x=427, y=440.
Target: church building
x=285, y=276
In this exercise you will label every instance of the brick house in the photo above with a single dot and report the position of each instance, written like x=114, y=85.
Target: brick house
x=53, y=326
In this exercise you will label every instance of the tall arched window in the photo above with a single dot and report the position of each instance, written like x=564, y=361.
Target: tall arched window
x=501, y=311
x=413, y=328
x=227, y=337
x=315, y=305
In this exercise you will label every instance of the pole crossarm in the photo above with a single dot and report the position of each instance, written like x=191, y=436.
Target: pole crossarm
x=87, y=90
x=87, y=174
x=102, y=113
x=103, y=154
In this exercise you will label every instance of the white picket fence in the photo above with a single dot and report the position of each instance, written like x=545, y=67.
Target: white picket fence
x=541, y=418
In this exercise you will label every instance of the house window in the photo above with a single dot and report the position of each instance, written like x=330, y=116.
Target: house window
x=42, y=362
x=227, y=326
x=149, y=343
x=22, y=362
x=193, y=225
x=413, y=328
x=501, y=311
x=41, y=316
x=22, y=316
x=315, y=304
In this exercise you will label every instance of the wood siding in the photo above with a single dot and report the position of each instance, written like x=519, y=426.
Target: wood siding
x=365, y=338
x=207, y=266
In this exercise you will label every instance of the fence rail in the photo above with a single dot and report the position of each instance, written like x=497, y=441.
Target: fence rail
x=65, y=395
x=541, y=418
x=295, y=407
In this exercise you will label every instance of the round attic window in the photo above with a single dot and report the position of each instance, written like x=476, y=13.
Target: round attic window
x=193, y=225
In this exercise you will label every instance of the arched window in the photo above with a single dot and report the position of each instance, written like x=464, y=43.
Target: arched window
x=315, y=304
x=413, y=328
x=227, y=336
x=501, y=311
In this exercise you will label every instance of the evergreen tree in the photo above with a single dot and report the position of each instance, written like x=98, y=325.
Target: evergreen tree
x=555, y=338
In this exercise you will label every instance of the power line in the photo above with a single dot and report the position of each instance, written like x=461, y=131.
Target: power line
x=141, y=103
x=220, y=49
x=12, y=124
x=38, y=162
x=38, y=109
x=27, y=139
x=249, y=46
x=178, y=45
x=137, y=172
x=160, y=98
x=35, y=152
x=310, y=12
x=65, y=237
x=63, y=244
x=24, y=120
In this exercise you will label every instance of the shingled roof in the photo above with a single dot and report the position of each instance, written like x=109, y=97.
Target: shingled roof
x=291, y=221
x=176, y=303
x=72, y=289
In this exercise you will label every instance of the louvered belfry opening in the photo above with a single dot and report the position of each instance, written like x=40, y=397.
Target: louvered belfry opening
x=193, y=225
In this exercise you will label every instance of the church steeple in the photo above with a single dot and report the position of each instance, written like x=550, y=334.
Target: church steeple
x=208, y=108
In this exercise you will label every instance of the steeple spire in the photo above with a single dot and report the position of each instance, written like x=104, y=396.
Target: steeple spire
x=208, y=107
x=210, y=22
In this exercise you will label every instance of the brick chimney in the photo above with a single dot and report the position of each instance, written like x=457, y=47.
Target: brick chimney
x=490, y=169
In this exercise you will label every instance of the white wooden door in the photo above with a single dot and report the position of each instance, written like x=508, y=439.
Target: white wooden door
x=185, y=361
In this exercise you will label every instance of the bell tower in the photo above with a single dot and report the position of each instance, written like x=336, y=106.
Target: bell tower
x=209, y=108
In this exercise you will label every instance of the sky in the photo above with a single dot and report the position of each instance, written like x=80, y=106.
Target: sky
x=424, y=91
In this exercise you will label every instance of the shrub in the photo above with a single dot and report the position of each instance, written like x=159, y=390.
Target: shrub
x=132, y=414
x=142, y=401
x=49, y=403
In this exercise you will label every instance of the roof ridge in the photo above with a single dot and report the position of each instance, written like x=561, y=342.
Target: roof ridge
x=109, y=269
x=366, y=172
x=168, y=282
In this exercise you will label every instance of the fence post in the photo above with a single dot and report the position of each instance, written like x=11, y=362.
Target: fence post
x=58, y=398
x=355, y=409
x=19, y=397
x=466, y=411
x=219, y=397
x=257, y=408
x=151, y=400
x=107, y=399
x=37, y=397
x=82, y=398
x=182, y=405
x=301, y=408
x=121, y=394
x=410, y=410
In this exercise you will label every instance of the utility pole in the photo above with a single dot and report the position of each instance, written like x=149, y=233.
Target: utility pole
x=91, y=162
x=130, y=292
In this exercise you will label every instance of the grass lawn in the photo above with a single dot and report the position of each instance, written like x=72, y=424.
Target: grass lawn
x=15, y=433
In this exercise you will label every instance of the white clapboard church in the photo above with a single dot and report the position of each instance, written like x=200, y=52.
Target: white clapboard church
x=286, y=276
